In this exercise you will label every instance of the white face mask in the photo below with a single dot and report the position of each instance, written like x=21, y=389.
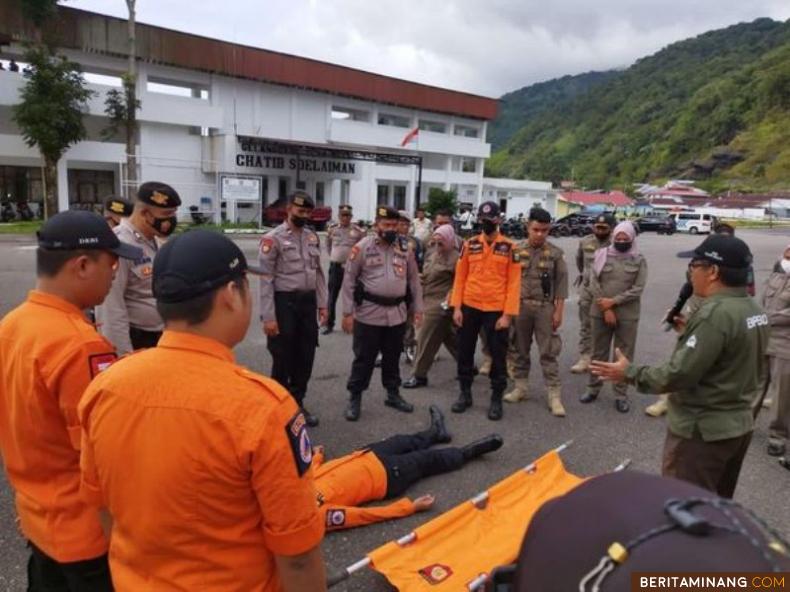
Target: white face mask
x=786, y=265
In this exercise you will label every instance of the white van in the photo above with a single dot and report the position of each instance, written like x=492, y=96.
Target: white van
x=694, y=223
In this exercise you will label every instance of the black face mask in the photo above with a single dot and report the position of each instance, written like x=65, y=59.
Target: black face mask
x=164, y=226
x=298, y=221
x=623, y=247
x=489, y=226
x=389, y=236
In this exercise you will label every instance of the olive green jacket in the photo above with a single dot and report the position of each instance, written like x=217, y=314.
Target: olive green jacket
x=716, y=370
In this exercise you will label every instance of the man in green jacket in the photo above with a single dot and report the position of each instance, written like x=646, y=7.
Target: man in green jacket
x=715, y=373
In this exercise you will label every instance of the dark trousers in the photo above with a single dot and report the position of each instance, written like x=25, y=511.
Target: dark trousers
x=474, y=321
x=334, y=283
x=369, y=340
x=712, y=465
x=293, y=350
x=142, y=339
x=44, y=574
x=407, y=459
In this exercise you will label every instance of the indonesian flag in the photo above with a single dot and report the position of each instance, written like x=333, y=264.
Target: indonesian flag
x=410, y=137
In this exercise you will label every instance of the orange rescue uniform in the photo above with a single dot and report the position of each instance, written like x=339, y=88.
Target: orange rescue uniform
x=488, y=276
x=344, y=483
x=204, y=467
x=48, y=354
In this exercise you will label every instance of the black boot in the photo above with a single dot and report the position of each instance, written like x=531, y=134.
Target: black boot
x=495, y=408
x=482, y=446
x=464, y=401
x=354, y=407
x=395, y=401
x=310, y=419
x=415, y=382
x=440, y=433
x=588, y=397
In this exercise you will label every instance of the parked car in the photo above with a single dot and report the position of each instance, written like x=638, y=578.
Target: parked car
x=573, y=225
x=659, y=224
x=694, y=223
x=276, y=213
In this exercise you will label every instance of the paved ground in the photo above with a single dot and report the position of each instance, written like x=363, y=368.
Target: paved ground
x=603, y=437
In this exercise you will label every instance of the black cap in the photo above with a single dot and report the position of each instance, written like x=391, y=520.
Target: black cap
x=118, y=205
x=196, y=262
x=158, y=195
x=724, y=250
x=301, y=199
x=387, y=213
x=607, y=219
x=488, y=209
x=344, y=210
x=74, y=230
x=614, y=511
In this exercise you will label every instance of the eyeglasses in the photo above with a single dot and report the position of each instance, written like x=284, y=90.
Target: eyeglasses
x=695, y=264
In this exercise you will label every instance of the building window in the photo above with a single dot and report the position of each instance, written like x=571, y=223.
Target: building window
x=394, y=120
x=348, y=114
x=345, y=191
x=432, y=126
x=282, y=188
x=399, y=197
x=88, y=189
x=178, y=89
x=319, y=193
x=466, y=131
x=468, y=165
x=383, y=195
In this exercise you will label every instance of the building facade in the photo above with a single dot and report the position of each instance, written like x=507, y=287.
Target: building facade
x=235, y=128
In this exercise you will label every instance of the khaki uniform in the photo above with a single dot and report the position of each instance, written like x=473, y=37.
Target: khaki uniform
x=585, y=256
x=776, y=301
x=544, y=278
x=379, y=279
x=130, y=303
x=410, y=337
x=339, y=240
x=291, y=292
x=437, y=326
x=623, y=279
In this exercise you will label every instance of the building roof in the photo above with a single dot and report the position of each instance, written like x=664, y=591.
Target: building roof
x=613, y=198
x=96, y=33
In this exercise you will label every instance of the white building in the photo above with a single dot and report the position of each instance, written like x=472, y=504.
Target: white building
x=516, y=196
x=234, y=128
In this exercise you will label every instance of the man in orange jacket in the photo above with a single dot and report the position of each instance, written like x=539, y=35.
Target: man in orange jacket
x=386, y=470
x=486, y=295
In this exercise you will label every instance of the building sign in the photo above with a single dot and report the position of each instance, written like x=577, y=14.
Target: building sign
x=240, y=188
x=250, y=157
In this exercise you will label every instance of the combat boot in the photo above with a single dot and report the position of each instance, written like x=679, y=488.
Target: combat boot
x=438, y=429
x=519, y=391
x=583, y=365
x=354, y=407
x=395, y=401
x=464, y=400
x=658, y=408
x=554, y=398
x=482, y=446
x=485, y=368
x=495, y=408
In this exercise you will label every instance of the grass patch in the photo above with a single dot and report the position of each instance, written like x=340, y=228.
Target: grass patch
x=30, y=227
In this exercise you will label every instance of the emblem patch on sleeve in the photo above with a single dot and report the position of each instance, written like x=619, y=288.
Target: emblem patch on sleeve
x=298, y=438
x=335, y=518
x=100, y=362
x=266, y=245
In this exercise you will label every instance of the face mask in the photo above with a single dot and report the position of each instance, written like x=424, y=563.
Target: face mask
x=164, y=226
x=389, y=236
x=786, y=265
x=298, y=221
x=489, y=226
x=623, y=247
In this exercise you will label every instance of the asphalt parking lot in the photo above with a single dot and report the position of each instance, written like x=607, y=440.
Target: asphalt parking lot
x=602, y=437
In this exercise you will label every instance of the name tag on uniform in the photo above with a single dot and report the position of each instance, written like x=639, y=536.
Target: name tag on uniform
x=475, y=248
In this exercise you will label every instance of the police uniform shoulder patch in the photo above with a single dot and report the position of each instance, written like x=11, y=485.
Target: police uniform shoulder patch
x=100, y=362
x=298, y=438
x=313, y=238
x=267, y=244
x=335, y=518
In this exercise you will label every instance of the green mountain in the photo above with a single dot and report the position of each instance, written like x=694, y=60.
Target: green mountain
x=714, y=108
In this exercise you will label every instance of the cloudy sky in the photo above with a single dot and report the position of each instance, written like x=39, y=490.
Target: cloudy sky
x=487, y=47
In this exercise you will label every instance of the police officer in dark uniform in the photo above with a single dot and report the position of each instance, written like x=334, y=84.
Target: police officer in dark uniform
x=115, y=209
x=380, y=288
x=293, y=294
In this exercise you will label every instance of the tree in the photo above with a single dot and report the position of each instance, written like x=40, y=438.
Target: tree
x=121, y=106
x=50, y=112
x=439, y=199
x=38, y=11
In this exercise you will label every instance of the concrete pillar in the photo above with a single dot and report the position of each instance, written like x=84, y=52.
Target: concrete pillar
x=63, y=185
